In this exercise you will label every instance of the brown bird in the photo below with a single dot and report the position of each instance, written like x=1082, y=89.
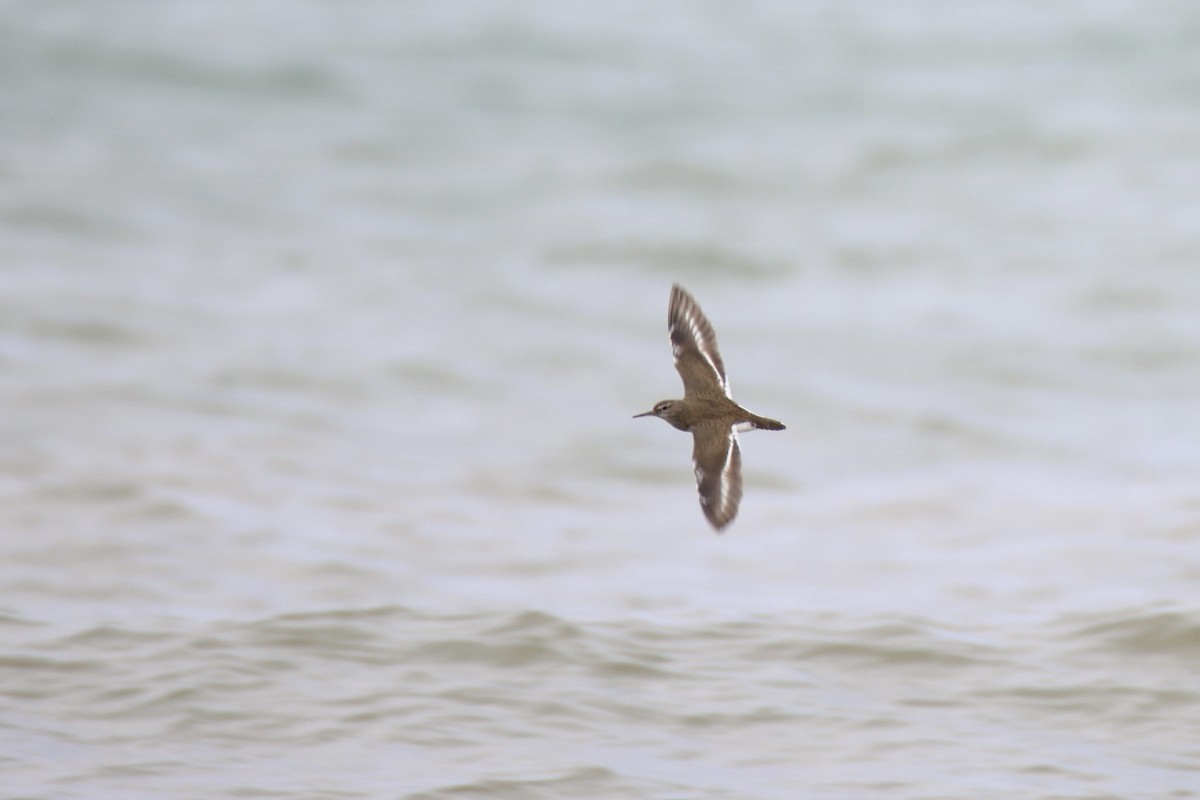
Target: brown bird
x=707, y=410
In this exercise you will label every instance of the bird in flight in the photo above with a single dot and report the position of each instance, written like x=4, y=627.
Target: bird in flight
x=707, y=410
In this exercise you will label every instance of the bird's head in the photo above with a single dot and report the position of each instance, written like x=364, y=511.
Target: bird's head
x=670, y=410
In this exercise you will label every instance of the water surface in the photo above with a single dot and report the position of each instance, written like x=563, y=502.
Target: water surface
x=321, y=327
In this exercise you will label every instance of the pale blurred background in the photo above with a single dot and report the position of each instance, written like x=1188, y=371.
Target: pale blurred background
x=321, y=328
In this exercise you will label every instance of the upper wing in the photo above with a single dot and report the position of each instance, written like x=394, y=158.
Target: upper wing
x=694, y=346
x=718, y=460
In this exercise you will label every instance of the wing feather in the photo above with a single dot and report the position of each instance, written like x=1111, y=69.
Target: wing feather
x=718, y=461
x=694, y=345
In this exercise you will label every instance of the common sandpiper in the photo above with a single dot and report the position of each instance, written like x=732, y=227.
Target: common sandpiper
x=707, y=410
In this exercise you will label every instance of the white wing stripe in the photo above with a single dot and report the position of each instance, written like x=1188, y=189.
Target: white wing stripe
x=727, y=471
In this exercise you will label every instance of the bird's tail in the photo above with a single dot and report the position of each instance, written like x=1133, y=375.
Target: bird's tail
x=765, y=424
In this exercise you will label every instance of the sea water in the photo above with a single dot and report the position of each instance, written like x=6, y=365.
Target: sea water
x=321, y=330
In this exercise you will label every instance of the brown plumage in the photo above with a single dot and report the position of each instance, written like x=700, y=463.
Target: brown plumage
x=707, y=409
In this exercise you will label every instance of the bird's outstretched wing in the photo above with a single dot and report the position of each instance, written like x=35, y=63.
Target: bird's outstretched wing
x=718, y=460
x=694, y=345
